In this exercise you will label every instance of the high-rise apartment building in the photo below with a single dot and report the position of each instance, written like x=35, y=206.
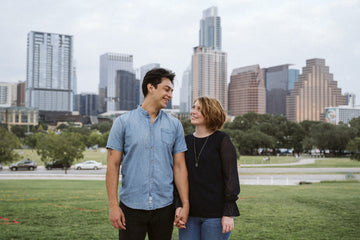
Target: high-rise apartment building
x=49, y=83
x=8, y=94
x=247, y=91
x=279, y=81
x=110, y=63
x=313, y=92
x=209, y=73
x=210, y=29
x=185, y=91
x=143, y=70
x=209, y=63
x=127, y=90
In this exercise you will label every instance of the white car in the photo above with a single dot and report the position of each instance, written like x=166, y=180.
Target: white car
x=88, y=165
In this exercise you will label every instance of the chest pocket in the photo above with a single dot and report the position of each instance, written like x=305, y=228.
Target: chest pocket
x=167, y=136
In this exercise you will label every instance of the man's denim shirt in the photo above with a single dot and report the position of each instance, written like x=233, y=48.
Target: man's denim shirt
x=147, y=163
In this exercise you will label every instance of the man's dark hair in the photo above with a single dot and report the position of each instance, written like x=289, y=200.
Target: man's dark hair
x=154, y=77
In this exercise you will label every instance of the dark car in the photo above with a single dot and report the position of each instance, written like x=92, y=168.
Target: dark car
x=1, y=166
x=57, y=164
x=23, y=165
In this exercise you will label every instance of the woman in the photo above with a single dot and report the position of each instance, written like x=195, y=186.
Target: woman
x=213, y=177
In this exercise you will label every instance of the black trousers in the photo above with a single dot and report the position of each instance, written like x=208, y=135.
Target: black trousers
x=158, y=223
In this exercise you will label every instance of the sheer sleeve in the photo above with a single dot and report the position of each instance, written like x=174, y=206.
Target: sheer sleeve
x=231, y=177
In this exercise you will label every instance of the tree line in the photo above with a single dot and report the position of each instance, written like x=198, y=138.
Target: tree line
x=251, y=133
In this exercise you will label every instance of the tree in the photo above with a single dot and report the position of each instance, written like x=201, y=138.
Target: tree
x=8, y=142
x=354, y=148
x=19, y=131
x=103, y=127
x=32, y=139
x=188, y=127
x=355, y=124
x=94, y=138
x=66, y=147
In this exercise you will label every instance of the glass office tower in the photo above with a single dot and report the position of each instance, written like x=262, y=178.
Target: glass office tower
x=210, y=29
x=109, y=64
x=279, y=81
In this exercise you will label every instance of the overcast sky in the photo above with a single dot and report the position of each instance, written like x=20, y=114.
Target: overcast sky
x=265, y=32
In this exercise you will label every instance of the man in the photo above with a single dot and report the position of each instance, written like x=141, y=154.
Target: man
x=150, y=146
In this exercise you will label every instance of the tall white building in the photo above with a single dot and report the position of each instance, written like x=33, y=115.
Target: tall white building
x=109, y=64
x=49, y=73
x=143, y=70
x=209, y=63
x=185, y=91
x=210, y=29
x=8, y=94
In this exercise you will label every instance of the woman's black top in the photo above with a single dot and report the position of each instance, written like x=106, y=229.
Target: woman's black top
x=214, y=183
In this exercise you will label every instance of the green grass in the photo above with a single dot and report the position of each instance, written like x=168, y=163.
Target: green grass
x=53, y=209
x=332, y=163
x=319, y=163
x=259, y=159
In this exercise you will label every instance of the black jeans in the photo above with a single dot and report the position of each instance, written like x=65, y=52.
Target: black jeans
x=157, y=223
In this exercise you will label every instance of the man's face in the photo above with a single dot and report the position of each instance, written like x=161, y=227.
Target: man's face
x=163, y=92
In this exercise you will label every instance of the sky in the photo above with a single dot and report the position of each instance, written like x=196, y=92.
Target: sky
x=264, y=32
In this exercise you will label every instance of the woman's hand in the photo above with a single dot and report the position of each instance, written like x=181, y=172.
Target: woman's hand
x=227, y=224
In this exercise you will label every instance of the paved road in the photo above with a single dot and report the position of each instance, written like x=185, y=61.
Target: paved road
x=251, y=176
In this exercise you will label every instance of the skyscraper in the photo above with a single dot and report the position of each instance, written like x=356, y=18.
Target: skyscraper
x=247, y=91
x=185, y=91
x=209, y=72
x=210, y=29
x=8, y=94
x=279, y=81
x=127, y=90
x=313, y=92
x=20, y=98
x=209, y=63
x=109, y=64
x=350, y=99
x=49, y=83
x=86, y=104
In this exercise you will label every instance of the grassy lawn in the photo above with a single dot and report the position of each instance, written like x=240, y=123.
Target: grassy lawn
x=332, y=163
x=53, y=209
x=272, y=159
x=319, y=163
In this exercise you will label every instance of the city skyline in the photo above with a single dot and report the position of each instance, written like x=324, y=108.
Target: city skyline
x=268, y=33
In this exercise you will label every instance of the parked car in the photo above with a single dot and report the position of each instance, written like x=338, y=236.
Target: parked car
x=88, y=165
x=23, y=165
x=1, y=166
x=57, y=164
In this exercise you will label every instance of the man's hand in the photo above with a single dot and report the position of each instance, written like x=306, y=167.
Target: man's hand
x=179, y=222
x=117, y=218
x=227, y=224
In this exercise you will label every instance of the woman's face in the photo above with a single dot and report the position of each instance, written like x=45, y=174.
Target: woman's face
x=196, y=117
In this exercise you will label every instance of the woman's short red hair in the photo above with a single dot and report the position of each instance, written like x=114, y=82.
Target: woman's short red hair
x=213, y=112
